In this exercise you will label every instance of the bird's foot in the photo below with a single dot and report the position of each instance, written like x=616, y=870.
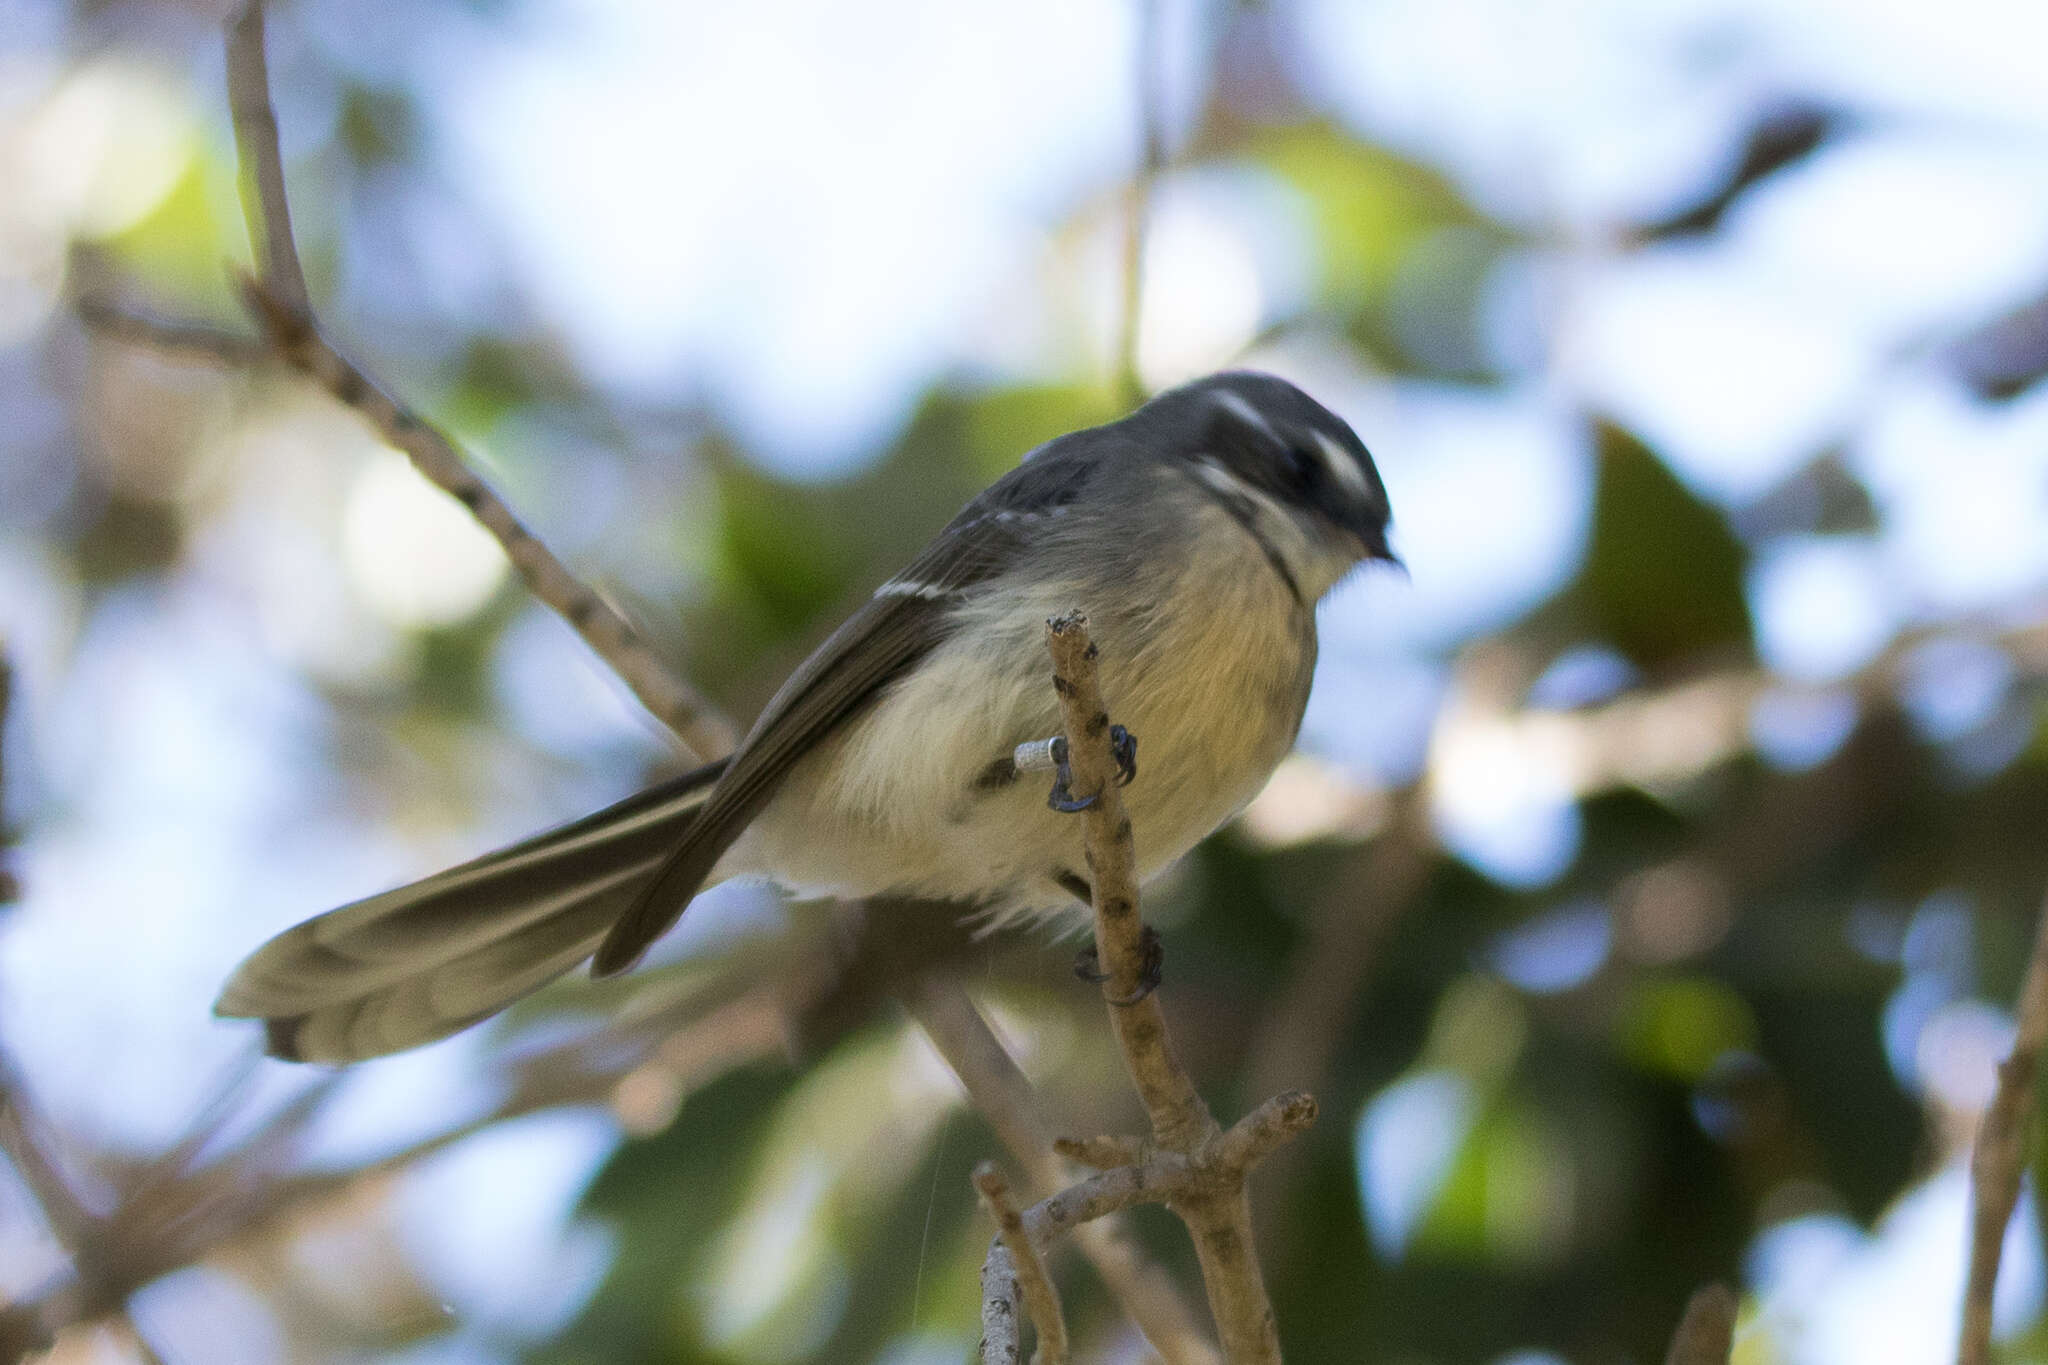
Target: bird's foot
x=1061, y=798
x=1123, y=747
x=1151, y=968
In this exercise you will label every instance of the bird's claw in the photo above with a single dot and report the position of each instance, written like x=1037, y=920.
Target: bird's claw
x=1151, y=969
x=1061, y=798
x=1123, y=747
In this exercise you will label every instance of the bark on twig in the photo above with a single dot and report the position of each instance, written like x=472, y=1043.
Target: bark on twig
x=1041, y=1300
x=1706, y=1334
x=1104, y=1153
x=265, y=204
x=1179, y=1117
x=2000, y=1157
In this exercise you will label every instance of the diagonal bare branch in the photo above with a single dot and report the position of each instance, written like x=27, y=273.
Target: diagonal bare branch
x=279, y=305
x=172, y=336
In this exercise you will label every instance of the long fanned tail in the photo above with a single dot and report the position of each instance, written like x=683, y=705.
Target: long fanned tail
x=424, y=961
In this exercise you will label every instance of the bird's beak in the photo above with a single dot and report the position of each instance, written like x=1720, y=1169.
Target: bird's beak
x=1376, y=547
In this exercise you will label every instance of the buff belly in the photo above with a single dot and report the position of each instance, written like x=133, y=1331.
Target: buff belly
x=901, y=802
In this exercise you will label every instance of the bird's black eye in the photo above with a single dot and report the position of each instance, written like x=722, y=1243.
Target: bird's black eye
x=1303, y=468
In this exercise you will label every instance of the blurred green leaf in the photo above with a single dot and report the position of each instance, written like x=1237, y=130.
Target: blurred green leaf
x=1370, y=206
x=1680, y=1026
x=377, y=126
x=175, y=250
x=1663, y=576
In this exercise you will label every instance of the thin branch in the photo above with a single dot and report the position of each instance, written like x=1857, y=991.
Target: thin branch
x=997, y=1086
x=1254, y=1137
x=265, y=203
x=1041, y=1300
x=1217, y=1211
x=1706, y=1334
x=278, y=303
x=172, y=336
x=2000, y=1158
x=25, y=1137
x=177, y=1219
x=1179, y=1117
x=1138, y=198
x=1104, y=1153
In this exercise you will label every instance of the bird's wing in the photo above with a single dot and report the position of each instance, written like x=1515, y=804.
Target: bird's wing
x=900, y=624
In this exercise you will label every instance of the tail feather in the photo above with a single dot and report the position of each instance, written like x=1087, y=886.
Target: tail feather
x=426, y=960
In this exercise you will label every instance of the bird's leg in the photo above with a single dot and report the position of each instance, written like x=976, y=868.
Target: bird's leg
x=1061, y=798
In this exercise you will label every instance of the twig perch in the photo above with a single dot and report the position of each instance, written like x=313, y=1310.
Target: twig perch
x=2000, y=1157
x=1198, y=1170
x=265, y=204
x=1180, y=1119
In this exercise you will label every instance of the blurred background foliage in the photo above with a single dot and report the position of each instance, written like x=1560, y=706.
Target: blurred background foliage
x=1642, y=904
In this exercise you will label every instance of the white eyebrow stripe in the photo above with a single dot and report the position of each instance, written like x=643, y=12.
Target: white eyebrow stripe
x=1342, y=467
x=931, y=592
x=1237, y=406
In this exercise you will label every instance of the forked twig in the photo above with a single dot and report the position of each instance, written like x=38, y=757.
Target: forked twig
x=1002, y=1094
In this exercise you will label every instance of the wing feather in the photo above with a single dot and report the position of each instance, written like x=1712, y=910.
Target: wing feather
x=908, y=616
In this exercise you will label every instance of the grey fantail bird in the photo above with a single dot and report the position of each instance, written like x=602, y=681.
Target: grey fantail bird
x=1197, y=534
